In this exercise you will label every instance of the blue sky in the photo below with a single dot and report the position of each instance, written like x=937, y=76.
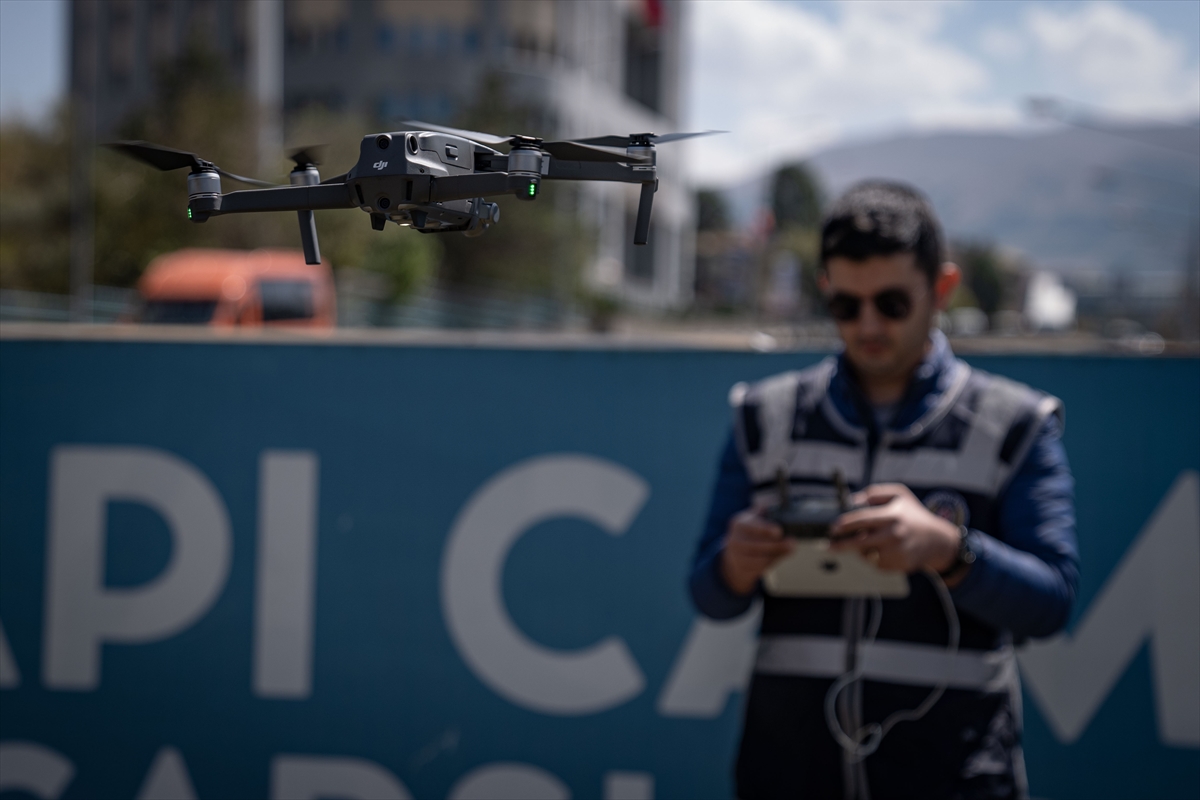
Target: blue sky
x=793, y=77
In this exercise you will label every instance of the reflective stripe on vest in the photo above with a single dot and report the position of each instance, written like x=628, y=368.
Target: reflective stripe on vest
x=889, y=661
x=975, y=466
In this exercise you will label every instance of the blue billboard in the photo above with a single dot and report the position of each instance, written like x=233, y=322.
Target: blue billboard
x=238, y=569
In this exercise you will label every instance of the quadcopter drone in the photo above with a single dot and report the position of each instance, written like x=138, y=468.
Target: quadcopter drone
x=433, y=178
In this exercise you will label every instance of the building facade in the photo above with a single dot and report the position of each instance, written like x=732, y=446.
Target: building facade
x=589, y=66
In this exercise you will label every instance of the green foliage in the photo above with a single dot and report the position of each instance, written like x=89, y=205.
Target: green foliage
x=35, y=205
x=795, y=197
x=142, y=213
x=712, y=212
x=538, y=246
x=406, y=258
x=984, y=275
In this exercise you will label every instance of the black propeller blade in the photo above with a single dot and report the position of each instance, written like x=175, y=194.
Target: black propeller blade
x=565, y=150
x=634, y=139
x=309, y=155
x=576, y=151
x=167, y=159
x=159, y=157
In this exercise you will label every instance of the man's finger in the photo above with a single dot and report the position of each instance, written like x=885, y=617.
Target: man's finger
x=880, y=539
x=863, y=518
x=879, y=493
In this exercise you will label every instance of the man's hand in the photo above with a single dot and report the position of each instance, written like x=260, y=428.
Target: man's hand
x=752, y=544
x=896, y=532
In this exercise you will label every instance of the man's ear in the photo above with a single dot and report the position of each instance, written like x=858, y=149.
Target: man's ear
x=949, y=276
x=823, y=281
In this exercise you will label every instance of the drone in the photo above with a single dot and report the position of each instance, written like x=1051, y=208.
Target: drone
x=432, y=178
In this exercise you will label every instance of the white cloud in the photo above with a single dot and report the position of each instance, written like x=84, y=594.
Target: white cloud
x=1113, y=56
x=787, y=80
x=1003, y=43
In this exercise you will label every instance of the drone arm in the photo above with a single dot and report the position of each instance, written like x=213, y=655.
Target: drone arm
x=465, y=187
x=597, y=171
x=286, y=198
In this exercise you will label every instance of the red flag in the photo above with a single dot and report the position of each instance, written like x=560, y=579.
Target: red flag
x=653, y=11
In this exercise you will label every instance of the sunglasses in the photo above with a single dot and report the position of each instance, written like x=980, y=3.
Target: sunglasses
x=894, y=304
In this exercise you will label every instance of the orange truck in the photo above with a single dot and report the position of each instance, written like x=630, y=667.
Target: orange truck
x=237, y=287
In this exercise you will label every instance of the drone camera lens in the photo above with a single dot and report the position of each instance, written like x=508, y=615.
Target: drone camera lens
x=383, y=141
x=412, y=144
x=384, y=202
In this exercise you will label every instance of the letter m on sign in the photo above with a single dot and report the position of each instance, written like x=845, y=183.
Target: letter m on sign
x=1154, y=593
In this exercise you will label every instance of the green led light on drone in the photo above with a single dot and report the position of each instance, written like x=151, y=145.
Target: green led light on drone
x=189, y=213
x=532, y=189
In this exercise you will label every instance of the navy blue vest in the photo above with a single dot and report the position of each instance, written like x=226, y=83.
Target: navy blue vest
x=957, y=458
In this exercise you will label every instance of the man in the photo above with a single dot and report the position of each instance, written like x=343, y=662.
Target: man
x=964, y=482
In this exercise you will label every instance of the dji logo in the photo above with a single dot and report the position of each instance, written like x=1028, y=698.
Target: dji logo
x=379, y=164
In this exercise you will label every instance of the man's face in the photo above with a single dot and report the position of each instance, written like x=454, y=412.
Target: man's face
x=879, y=346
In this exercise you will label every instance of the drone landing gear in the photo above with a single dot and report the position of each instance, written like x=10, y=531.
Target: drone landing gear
x=641, y=231
x=308, y=237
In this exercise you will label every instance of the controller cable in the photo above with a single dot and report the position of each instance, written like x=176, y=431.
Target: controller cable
x=866, y=740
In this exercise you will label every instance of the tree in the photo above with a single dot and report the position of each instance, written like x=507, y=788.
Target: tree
x=34, y=207
x=983, y=274
x=795, y=198
x=712, y=212
x=142, y=213
x=539, y=246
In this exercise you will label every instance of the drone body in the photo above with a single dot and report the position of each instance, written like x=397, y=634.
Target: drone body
x=432, y=179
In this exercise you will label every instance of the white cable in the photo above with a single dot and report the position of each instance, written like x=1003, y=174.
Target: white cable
x=874, y=732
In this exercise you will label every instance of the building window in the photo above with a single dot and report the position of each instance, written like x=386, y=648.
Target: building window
x=643, y=62
x=445, y=40
x=385, y=38
x=471, y=41
x=121, y=44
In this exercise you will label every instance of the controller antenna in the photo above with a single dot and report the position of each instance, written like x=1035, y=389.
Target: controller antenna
x=843, y=494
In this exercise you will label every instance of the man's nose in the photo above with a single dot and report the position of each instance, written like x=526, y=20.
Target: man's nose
x=870, y=321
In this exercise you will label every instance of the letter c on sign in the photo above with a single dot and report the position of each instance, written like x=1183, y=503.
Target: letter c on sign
x=566, y=682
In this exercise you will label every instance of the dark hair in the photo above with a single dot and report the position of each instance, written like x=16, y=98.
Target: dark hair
x=879, y=218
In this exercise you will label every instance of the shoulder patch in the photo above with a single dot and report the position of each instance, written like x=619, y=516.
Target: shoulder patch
x=949, y=505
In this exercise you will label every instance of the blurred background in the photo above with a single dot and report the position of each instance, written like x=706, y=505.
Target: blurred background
x=1059, y=143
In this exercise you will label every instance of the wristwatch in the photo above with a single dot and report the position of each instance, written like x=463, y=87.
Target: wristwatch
x=965, y=556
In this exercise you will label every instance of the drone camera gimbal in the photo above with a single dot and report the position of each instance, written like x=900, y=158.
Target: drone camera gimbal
x=431, y=178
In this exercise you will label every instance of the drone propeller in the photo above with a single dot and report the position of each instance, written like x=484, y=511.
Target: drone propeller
x=163, y=158
x=167, y=159
x=577, y=151
x=309, y=155
x=565, y=150
x=635, y=139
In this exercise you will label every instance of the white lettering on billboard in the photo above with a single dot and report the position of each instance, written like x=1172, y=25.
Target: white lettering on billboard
x=286, y=565
x=167, y=778
x=34, y=769
x=619, y=785
x=508, y=781
x=81, y=612
x=10, y=676
x=1154, y=593
x=296, y=777
x=716, y=660
x=551, y=681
